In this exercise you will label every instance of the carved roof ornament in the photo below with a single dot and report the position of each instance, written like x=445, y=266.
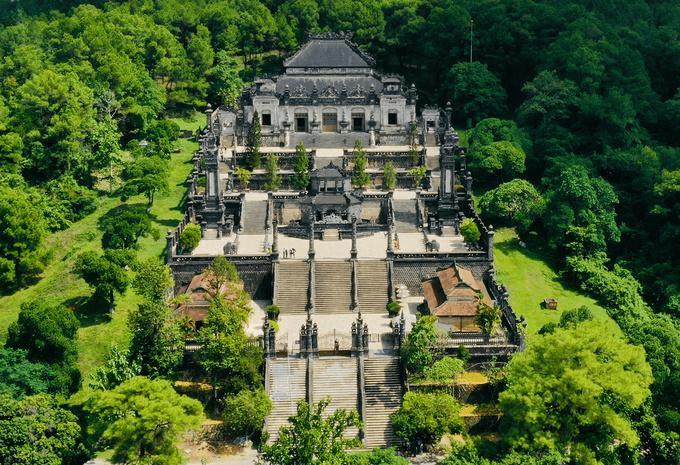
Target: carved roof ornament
x=330, y=92
x=299, y=91
x=357, y=91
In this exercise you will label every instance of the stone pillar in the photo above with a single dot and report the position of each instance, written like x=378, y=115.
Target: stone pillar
x=359, y=337
x=354, y=251
x=208, y=114
x=170, y=238
x=355, y=287
x=275, y=240
x=310, y=289
x=390, y=241
x=468, y=185
x=269, y=340
x=489, y=243
x=311, y=253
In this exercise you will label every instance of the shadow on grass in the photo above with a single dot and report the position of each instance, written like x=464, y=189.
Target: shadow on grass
x=89, y=310
x=169, y=223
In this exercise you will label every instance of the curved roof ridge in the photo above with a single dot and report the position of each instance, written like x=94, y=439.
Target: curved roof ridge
x=330, y=50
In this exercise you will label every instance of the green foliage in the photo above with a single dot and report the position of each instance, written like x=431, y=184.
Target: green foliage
x=220, y=272
x=36, y=431
x=390, y=175
x=22, y=231
x=124, y=225
x=376, y=457
x=361, y=178
x=19, y=377
x=475, y=92
x=118, y=368
x=422, y=345
x=190, y=237
x=48, y=335
x=155, y=416
x=501, y=159
x=105, y=276
x=145, y=175
x=312, y=437
x=273, y=311
x=243, y=176
x=580, y=215
x=244, y=414
x=568, y=319
x=274, y=179
x=393, y=308
x=576, y=403
x=157, y=340
x=418, y=174
x=444, y=371
x=153, y=280
x=301, y=177
x=254, y=142
x=225, y=82
x=425, y=417
x=68, y=202
x=469, y=230
x=515, y=203
x=488, y=317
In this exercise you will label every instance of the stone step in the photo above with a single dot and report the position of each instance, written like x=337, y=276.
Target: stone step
x=254, y=216
x=383, y=397
x=332, y=287
x=405, y=217
x=337, y=379
x=372, y=286
x=287, y=385
x=292, y=283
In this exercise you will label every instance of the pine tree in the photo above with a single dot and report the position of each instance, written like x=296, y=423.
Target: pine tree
x=254, y=143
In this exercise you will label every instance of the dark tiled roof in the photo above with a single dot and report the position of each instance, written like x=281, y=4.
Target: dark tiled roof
x=328, y=53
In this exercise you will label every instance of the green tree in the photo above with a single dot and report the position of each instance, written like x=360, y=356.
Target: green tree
x=226, y=83
x=226, y=355
x=470, y=230
x=576, y=403
x=254, y=142
x=142, y=420
x=118, y=368
x=516, y=203
x=36, y=431
x=124, y=225
x=220, y=272
x=377, y=457
x=190, y=237
x=243, y=176
x=301, y=177
x=423, y=345
x=312, y=437
x=22, y=231
x=425, y=417
x=361, y=178
x=418, y=174
x=244, y=414
x=145, y=175
x=274, y=179
x=475, y=92
x=153, y=280
x=157, y=340
x=390, y=175
x=48, y=336
x=501, y=159
x=488, y=317
x=444, y=371
x=20, y=377
x=105, y=276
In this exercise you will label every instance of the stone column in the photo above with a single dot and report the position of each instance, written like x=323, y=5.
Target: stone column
x=170, y=238
x=489, y=241
x=311, y=253
x=354, y=251
x=275, y=240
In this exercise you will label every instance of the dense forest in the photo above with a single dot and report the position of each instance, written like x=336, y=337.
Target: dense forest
x=571, y=110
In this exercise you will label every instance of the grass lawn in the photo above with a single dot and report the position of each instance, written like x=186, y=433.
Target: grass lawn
x=58, y=283
x=530, y=279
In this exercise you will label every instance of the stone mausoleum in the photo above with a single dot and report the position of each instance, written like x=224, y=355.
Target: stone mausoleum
x=334, y=256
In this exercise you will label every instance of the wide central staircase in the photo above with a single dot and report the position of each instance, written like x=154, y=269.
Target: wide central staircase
x=254, y=216
x=286, y=386
x=292, y=281
x=405, y=218
x=372, y=286
x=332, y=286
x=383, y=397
x=337, y=378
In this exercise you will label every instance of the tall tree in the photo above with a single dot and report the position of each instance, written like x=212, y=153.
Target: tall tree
x=301, y=177
x=312, y=437
x=157, y=340
x=577, y=403
x=475, y=92
x=148, y=431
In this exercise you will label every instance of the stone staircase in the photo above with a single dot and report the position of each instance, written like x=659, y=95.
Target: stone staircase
x=292, y=281
x=254, y=216
x=337, y=378
x=405, y=218
x=372, y=286
x=287, y=385
x=332, y=287
x=383, y=397
x=328, y=140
